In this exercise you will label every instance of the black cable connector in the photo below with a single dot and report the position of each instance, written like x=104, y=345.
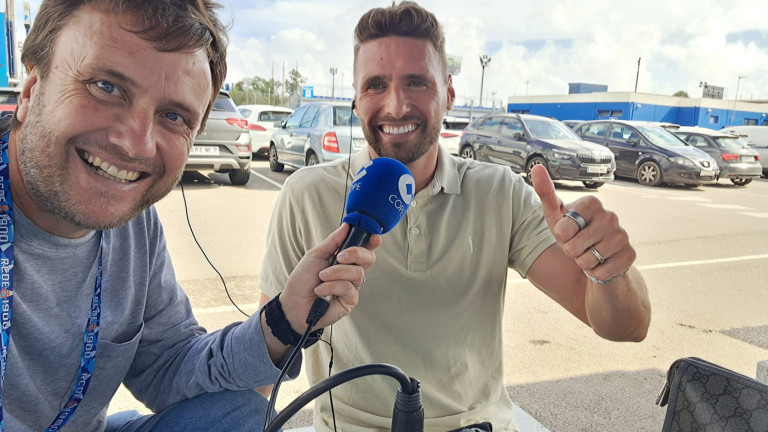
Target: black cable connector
x=408, y=414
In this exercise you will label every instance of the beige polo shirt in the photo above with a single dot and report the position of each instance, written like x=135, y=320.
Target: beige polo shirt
x=432, y=304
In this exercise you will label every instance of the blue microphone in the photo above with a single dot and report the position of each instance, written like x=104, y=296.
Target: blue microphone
x=379, y=196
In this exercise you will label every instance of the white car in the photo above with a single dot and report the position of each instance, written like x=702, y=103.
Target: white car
x=451, y=132
x=261, y=123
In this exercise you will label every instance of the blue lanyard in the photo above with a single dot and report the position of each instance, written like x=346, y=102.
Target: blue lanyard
x=91, y=332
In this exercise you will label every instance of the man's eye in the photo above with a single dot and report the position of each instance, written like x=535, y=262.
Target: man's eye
x=416, y=84
x=108, y=87
x=375, y=87
x=174, y=117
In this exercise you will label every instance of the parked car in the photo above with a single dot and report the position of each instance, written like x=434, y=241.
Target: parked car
x=757, y=138
x=650, y=153
x=316, y=132
x=261, y=124
x=451, y=132
x=571, y=123
x=522, y=141
x=9, y=98
x=225, y=144
x=737, y=162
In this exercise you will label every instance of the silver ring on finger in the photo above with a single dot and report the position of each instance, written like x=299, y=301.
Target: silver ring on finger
x=361, y=283
x=599, y=257
x=576, y=218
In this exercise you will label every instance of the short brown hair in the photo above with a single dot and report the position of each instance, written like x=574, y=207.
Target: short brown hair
x=406, y=19
x=172, y=25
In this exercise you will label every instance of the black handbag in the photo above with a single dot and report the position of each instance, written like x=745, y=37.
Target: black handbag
x=702, y=396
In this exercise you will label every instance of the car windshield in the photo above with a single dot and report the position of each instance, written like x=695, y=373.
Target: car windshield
x=729, y=143
x=548, y=129
x=341, y=116
x=661, y=137
x=223, y=103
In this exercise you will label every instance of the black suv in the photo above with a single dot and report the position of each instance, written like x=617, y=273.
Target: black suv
x=522, y=141
x=225, y=144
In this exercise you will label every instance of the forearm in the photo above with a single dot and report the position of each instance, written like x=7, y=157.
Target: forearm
x=619, y=310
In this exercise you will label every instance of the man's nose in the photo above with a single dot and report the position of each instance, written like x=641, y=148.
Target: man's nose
x=396, y=103
x=134, y=135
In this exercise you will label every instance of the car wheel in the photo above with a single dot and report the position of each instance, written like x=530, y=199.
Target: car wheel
x=592, y=184
x=274, y=165
x=467, y=152
x=741, y=181
x=312, y=159
x=649, y=174
x=538, y=160
x=240, y=177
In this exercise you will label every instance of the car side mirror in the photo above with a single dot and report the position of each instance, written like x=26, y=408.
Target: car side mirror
x=634, y=141
x=278, y=124
x=518, y=136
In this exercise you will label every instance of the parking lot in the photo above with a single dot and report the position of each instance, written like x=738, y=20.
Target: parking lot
x=703, y=252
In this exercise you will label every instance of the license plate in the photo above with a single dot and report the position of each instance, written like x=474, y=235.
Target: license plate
x=205, y=150
x=597, y=169
x=359, y=142
x=747, y=158
x=707, y=173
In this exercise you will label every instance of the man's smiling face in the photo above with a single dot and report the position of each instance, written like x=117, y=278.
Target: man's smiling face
x=107, y=132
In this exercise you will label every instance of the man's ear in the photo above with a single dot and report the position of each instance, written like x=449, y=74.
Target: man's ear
x=451, y=93
x=28, y=91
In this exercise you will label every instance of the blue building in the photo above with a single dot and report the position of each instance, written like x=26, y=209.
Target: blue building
x=709, y=113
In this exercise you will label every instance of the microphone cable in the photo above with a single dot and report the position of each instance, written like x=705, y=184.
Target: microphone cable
x=312, y=320
x=194, y=237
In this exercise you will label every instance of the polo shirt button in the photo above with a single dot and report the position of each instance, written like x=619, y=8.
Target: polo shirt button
x=415, y=231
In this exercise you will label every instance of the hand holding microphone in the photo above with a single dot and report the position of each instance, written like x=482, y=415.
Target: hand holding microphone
x=378, y=199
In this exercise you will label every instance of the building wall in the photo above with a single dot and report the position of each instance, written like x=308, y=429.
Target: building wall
x=709, y=113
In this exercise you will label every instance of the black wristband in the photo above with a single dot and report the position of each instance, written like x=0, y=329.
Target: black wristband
x=281, y=328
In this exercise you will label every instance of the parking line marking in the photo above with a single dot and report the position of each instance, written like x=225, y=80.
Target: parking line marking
x=702, y=262
x=725, y=206
x=758, y=215
x=267, y=179
x=681, y=198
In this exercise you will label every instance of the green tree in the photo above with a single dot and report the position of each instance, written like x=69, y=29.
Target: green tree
x=294, y=83
x=256, y=90
x=681, y=93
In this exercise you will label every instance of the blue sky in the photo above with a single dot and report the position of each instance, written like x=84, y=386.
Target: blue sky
x=537, y=48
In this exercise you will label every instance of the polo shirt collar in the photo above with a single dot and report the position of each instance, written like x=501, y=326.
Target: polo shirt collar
x=447, y=175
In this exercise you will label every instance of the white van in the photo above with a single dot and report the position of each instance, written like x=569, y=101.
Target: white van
x=757, y=139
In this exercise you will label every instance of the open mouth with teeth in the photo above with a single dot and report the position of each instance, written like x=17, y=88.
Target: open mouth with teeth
x=104, y=169
x=399, y=130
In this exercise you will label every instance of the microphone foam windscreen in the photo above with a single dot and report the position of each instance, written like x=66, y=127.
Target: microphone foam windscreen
x=382, y=191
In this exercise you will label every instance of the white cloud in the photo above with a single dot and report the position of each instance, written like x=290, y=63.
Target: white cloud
x=680, y=43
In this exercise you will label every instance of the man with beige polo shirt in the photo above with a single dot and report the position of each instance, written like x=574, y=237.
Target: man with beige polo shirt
x=433, y=303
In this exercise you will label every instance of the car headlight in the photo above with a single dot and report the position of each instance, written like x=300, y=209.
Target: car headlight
x=560, y=154
x=682, y=161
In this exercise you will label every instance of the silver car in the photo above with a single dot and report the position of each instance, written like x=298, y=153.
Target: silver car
x=225, y=144
x=737, y=162
x=316, y=132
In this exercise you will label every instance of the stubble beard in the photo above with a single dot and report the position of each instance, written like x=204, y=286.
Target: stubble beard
x=47, y=182
x=404, y=151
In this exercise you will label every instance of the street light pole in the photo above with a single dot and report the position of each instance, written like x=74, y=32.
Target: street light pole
x=484, y=60
x=735, y=98
x=333, y=71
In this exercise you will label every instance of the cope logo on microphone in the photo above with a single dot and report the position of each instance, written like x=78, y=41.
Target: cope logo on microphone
x=406, y=186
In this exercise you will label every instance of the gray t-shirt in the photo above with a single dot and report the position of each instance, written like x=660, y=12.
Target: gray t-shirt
x=148, y=338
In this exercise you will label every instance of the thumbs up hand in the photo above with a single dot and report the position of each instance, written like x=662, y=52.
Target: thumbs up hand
x=586, y=231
